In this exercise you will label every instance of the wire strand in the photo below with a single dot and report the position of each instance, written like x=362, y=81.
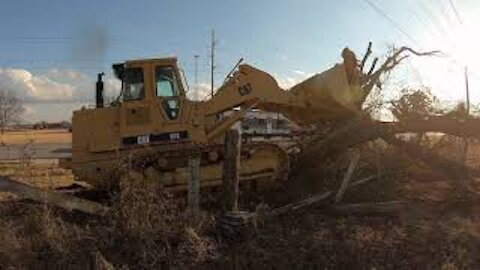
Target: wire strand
x=393, y=22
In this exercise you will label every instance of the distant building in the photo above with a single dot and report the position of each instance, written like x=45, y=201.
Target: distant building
x=265, y=123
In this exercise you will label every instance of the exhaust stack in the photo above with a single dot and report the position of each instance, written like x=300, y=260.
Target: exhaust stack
x=99, y=92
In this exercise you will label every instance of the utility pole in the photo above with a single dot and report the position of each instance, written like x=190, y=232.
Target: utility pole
x=212, y=62
x=196, y=95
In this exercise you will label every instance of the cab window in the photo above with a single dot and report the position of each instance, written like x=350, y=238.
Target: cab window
x=167, y=88
x=166, y=82
x=133, y=85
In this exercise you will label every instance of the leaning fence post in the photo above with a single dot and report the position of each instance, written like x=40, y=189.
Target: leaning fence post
x=230, y=174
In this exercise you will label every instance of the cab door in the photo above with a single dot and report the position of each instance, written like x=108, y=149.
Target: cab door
x=169, y=92
x=135, y=111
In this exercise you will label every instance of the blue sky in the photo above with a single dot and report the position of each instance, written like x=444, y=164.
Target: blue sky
x=61, y=44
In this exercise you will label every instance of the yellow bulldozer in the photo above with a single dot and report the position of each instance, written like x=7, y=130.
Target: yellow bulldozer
x=152, y=129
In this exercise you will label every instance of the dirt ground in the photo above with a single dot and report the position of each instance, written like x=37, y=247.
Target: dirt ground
x=43, y=173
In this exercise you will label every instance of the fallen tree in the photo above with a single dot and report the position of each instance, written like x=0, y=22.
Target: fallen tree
x=364, y=129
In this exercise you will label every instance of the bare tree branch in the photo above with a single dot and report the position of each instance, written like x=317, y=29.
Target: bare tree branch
x=372, y=78
x=365, y=57
x=372, y=68
x=11, y=109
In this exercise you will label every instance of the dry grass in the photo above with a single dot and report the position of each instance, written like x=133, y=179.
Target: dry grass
x=314, y=241
x=144, y=230
x=148, y=228
x=36, y=136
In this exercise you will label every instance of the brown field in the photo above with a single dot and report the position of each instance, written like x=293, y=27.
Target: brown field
x=36, y=136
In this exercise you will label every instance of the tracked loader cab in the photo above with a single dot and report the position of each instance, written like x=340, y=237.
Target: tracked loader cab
x=152, y=80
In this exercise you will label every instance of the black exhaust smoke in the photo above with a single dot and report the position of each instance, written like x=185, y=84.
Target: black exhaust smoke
x=99, y=92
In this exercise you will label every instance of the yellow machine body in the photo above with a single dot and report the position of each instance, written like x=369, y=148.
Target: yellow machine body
x=155, y=124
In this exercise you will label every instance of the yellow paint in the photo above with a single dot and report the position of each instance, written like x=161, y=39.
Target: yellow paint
x=98, y=133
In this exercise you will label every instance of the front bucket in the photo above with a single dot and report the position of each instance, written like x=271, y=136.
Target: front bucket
x=329, y=95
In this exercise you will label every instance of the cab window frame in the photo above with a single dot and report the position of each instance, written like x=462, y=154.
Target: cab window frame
x=175, y=87
x=142, y=92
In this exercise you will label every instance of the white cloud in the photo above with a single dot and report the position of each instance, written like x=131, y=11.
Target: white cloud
x=199, y=92
x=282, y=56
x=289, y=81
x=54, y=85
x=28, y=86
x=65, y=75
x=29, y=112
x=112, y=88
x=299, y=72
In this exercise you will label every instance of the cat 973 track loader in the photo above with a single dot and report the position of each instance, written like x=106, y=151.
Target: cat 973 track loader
x=152, y=129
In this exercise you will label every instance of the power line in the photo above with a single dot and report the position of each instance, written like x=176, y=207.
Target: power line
x=452, y=5
x=59, y=60
x=393, y=22
x=441, y=27
x=445, y=31
x=68, y=38
x=418, y=17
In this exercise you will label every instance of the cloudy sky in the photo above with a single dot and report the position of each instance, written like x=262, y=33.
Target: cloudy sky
x=51, y=50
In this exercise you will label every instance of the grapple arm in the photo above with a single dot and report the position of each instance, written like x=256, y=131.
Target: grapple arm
x=324, y=96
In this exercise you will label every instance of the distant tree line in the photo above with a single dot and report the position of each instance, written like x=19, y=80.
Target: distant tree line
x=49, y=125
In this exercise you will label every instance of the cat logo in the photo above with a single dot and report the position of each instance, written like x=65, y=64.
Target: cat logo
x=245, y=89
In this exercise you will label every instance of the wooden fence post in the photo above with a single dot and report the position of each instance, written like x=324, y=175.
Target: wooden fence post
x=230, y=173
x=194, y=186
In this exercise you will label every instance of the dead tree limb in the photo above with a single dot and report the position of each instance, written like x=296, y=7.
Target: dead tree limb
x=469, y=127
x=372, y=67
x=454, y=171
x=234, y=221
x=362, y=130
x=49, y=197
x=301, y=204
x=365, y=57
x=316, y=199
x=372, y=78
x=361, y=182
x=346, y=179
x=367, y=208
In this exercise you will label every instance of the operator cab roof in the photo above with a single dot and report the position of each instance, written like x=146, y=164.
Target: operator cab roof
x=119, y=67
